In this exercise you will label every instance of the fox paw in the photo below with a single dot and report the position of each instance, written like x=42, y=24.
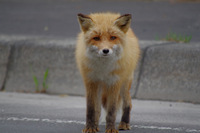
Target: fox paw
x=111, y=131
x=90, y=130
x=124, y=126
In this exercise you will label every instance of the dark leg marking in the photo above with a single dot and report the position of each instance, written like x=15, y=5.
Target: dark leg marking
x=126, y=115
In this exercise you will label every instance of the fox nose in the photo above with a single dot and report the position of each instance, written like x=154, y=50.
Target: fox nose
x=105, y=51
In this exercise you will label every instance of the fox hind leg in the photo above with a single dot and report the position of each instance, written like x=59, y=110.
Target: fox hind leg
x=126, y=108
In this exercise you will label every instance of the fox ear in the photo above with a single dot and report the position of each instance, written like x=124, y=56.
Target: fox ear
x=85, y=22
x=123, y=22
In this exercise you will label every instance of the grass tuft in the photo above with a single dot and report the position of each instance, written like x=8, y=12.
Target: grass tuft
x=36, y=83
x=174, y=37
x=44, y=83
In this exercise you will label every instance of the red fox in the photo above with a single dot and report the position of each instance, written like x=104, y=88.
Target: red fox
x=107, y=53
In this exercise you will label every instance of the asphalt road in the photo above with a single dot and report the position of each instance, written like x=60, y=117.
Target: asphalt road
x=36, y=113
x=57, y=18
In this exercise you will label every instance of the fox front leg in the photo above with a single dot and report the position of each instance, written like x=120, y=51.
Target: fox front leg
x=112, y=106
x=93, y=108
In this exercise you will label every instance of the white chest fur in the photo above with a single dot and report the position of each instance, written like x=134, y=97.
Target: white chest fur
x=101, y=70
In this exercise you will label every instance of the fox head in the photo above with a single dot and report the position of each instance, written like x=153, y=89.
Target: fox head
x=104, y=33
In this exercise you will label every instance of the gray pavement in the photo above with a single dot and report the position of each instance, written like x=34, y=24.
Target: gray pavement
x=31, y=113
x=58, y=18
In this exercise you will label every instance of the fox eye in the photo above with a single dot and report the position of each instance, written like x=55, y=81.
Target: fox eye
x=113, y=37
x=96, y=38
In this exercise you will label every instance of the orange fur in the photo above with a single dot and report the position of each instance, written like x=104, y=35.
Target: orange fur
x=107, y=53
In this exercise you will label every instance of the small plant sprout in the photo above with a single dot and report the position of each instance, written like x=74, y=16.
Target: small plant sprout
x=36, y=84
x=157, y=37
x=44, y=83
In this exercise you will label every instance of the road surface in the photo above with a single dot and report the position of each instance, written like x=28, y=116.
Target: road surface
x=36, y=113
x=58, y=18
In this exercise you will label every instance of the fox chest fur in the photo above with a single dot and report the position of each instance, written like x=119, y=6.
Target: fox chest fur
x=100, y=70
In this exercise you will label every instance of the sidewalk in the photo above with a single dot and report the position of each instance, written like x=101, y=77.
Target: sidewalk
x=166, y=71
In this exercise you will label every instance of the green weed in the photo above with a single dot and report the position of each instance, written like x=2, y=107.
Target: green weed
x=174, y=37
x=36, y=83
x=44, y=83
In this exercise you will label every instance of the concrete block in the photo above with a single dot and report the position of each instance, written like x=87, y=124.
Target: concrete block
x=32, y=57
x=171, y=72
x=4, y=56
x=143, y=46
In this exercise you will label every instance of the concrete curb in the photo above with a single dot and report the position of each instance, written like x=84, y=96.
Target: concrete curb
x=166, y=71
x=170, y=71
